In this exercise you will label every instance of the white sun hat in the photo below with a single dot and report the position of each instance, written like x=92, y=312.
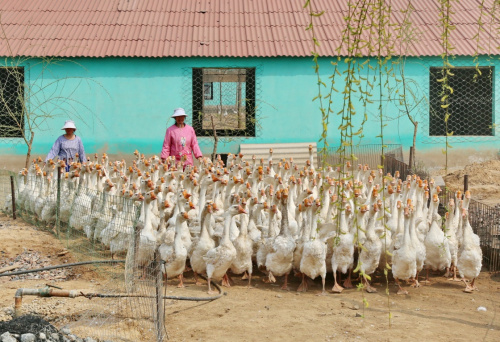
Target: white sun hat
x=179, y=112
x=69, y=124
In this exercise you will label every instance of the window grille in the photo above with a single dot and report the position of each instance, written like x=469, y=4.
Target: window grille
x=471, y=104
x=11, y=102
x=224, y=100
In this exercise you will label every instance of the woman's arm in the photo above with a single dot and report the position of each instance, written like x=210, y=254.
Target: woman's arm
x=165, y=151
x=81, y=151
x=194, y=145
x=54, y=151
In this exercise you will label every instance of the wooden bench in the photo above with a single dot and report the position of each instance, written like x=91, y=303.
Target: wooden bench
x=298, y=151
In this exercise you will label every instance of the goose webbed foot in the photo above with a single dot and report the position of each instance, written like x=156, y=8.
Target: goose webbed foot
x=181, y=281
x=226, y=280
x=249, y=286
x=337, y=288
x=323, y=292
x=210, y=291
x=303, y=285
x=245, y=276
x=426, y=281
x=285, y=284
x=454, y=275
x=368, y=287
x=348, y=283
x=197, y=279
x=401, y=291
x=470, y=287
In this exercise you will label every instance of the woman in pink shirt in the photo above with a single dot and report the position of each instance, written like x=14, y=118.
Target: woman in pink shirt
x=180, y=140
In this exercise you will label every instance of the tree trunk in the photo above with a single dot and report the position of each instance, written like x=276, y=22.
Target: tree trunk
x=414, y=141
x=28, y=154
x=216, y=139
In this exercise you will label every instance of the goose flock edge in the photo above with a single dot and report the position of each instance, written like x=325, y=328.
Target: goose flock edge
x=276, y=217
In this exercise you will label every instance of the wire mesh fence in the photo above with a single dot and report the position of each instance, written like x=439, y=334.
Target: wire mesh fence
x=484, y=219
x=471, y=106
x=224, y=102
x=485, y=222
x=12, y=103
x=369, y=154
x=97, y=225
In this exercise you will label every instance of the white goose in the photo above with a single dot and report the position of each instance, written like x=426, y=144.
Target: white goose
x=175, y=255
x=313, y=262
x=437, y=249
x=369, y=257
x=242, y=263
x=343, y=249
x=404, y=260
x=147, y=242
x=279, y=259
x=202, y=244
x=470, y=255
x=220, y=258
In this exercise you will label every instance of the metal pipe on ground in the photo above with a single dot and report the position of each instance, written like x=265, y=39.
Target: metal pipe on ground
x=43, y=292
x=51, y=292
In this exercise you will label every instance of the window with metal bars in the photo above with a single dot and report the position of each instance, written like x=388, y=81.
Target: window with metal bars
x=470, y=105
x=11, y=102
x=224, y=100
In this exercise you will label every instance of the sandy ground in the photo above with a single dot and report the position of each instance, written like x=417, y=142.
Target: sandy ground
x=484, y=181
x=440, y=311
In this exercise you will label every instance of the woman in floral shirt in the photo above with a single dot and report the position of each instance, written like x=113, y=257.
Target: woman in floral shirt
x=180, y=140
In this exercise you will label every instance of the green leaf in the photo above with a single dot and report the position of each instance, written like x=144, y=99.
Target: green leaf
x=318, y=14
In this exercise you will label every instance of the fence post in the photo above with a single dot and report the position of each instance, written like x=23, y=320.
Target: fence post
x=13, y=197
x=58, y=202
x=131, y=259
x=466, y=183
x=159, y=317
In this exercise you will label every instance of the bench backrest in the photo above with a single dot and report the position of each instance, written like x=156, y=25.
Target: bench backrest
x=298, y=151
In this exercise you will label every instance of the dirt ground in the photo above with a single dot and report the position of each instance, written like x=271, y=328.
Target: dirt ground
x=484, y=181
x=440, y=311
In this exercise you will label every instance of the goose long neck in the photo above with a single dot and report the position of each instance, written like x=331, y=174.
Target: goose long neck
x=412, y=232
x=244, y=224
x=201, y=200
x=227, y=225
x=406, y=236
x=291, y=199
x=269, y=230
x=147, y=216
x=284, y=218
x=370, y=230
x=343, y=222
x=178, y=227
x=203, y=223
x=214, y=194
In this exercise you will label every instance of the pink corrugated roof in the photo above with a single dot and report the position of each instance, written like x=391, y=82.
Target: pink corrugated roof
x=213, y=28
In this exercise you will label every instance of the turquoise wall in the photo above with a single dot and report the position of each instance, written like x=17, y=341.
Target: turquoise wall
x=123, y=104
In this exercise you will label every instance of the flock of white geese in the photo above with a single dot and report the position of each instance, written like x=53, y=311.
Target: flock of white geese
x=279, y=216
